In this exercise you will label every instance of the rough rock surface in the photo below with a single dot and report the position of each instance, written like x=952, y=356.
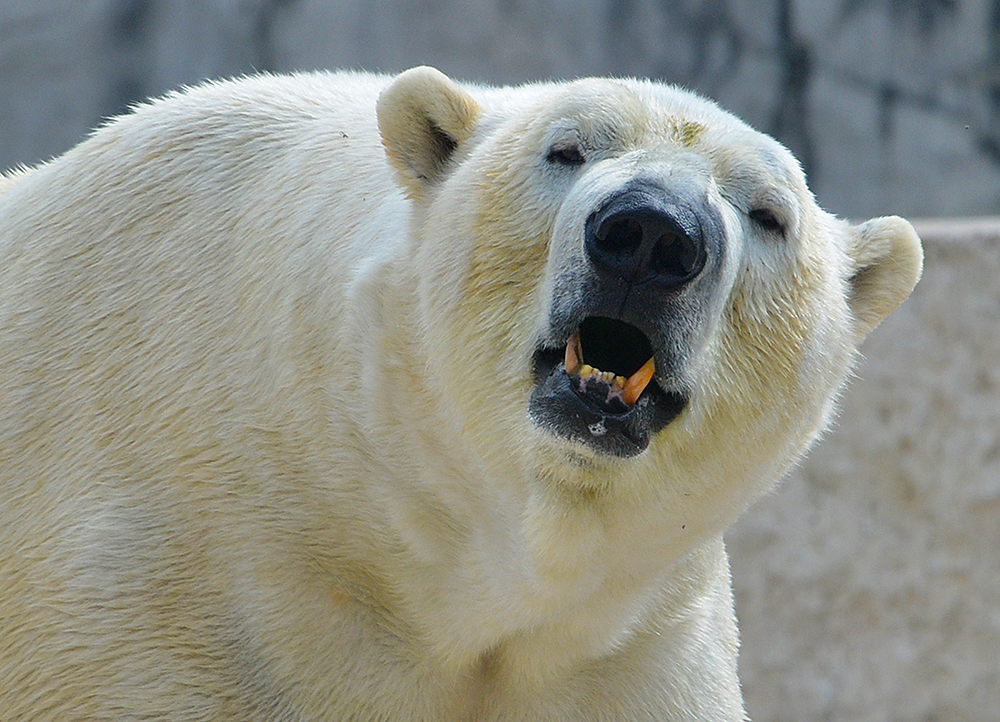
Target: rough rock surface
x=892, y=106
x=868, y=586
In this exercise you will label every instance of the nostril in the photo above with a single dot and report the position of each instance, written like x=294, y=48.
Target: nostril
x=645, y=235
x=624, y=244
x=619, y=236
x=674, y=255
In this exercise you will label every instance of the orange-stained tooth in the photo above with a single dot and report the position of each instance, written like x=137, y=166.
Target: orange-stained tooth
x=638, y=382
x=572, y=362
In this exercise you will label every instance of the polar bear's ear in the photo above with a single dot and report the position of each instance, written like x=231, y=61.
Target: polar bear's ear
x=888, y=261
x=423, y=117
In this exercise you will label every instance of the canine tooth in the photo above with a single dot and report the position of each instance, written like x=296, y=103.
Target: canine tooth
x=573, y=354
x=638, y=382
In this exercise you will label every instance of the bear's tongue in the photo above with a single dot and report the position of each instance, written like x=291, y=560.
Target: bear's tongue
x=626, y=390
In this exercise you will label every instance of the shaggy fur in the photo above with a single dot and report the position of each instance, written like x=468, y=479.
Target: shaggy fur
x=265, y=365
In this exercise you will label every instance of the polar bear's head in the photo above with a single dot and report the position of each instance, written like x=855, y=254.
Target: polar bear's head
x=619, y=272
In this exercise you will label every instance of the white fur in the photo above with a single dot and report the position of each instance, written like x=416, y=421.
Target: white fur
x=264, y=448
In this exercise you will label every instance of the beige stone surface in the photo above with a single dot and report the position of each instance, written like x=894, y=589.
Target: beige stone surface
x=868, y=586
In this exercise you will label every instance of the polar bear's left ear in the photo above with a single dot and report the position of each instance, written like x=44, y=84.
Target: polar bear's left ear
x=423, y=117
x=888, y=261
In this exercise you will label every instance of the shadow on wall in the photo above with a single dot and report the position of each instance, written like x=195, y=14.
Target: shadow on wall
x=132, y=32
x=891, y=105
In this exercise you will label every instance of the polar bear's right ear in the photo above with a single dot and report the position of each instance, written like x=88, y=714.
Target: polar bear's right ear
x=423, y=117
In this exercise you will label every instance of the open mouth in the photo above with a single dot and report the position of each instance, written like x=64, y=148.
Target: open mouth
x=614, y=345
x=600, y=388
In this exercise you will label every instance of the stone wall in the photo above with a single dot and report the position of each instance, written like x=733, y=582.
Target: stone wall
x=869, y=586
x=892, y=105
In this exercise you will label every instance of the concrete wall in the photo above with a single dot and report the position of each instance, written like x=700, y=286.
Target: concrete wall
x=869, y=587
x=890, y=104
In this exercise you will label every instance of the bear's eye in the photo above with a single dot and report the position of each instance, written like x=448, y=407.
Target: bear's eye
x=568, y=154
x=767, y=220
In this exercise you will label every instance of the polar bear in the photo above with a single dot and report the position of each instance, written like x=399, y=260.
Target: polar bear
x=349, y=397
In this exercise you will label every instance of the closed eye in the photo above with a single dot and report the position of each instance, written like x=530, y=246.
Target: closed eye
x=568, y=154
x=767, y=220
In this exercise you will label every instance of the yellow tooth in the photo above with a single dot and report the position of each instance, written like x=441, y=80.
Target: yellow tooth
x=638, y=382
x=573, y=354
x=586, y=370
x=619, y=382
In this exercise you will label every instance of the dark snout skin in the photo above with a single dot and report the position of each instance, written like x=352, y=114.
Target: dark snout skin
x=645, y=236
x=652, y=257
x=554, y=405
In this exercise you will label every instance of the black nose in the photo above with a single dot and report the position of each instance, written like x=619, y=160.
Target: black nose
x=644, y=235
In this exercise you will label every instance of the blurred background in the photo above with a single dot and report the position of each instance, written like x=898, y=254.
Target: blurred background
x=868, y=588
x=891, y=105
